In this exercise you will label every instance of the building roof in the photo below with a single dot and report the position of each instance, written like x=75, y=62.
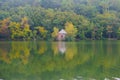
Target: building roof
x=62, y=31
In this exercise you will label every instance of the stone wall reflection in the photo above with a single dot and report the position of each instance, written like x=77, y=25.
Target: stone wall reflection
x=62, y=47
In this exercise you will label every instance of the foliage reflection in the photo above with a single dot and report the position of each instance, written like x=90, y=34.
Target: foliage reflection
x=56, y=60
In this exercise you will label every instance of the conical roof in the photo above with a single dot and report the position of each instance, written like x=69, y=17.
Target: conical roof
x=63, y=31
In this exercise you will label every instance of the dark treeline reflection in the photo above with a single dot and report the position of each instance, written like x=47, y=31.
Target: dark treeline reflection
x=59, y=60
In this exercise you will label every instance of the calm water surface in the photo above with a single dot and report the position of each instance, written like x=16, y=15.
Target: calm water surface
x=84, y=60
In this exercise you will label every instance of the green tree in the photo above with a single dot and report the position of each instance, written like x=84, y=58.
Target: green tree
x=118, y=33
x=109, y=31
x=83, y=28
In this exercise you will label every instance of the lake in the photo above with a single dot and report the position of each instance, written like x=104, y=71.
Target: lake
x=84, y=60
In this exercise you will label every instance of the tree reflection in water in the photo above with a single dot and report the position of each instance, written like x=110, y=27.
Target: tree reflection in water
x=55, y=60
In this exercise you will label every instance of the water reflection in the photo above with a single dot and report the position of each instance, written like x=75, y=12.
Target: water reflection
x=4, y=52
x=62, y=47
x=59, y=60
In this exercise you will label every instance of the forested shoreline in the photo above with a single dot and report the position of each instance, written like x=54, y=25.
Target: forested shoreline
x=42, y=19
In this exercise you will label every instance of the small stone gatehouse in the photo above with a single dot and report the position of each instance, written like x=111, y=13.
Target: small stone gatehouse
x=61, y=35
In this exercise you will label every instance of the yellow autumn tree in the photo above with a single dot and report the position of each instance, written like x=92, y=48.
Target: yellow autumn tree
x=24, y=21
x=71, y=30
x=20, y=30
x=15, y=30
x=42, y=32
x=25, y=27
x=4, y=31
x=55, y=32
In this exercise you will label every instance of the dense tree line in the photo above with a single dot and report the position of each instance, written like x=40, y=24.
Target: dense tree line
x=42, y=19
